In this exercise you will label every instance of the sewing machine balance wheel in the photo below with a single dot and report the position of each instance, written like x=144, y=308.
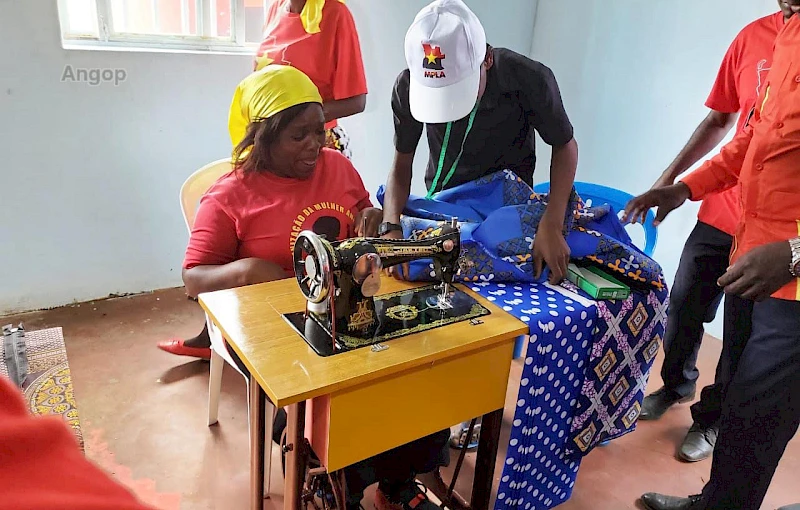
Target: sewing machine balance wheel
x=312, y=266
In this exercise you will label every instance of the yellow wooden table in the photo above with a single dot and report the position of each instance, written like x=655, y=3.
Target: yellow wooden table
x=361, y=400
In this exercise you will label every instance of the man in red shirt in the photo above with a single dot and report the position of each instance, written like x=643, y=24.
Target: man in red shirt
x=695, y=295
x=761, y=403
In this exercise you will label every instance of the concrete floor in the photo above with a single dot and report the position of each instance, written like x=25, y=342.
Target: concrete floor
x=144, y=418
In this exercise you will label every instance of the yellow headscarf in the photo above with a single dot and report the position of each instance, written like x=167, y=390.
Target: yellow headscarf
x=266, y=93
x=311, y=16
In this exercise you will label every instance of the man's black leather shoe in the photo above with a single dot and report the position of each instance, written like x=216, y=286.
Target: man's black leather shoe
x=654, y=501
x=657, y=403
x=699, y=443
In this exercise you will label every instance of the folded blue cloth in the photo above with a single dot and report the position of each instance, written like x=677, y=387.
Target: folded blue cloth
x=499, y=215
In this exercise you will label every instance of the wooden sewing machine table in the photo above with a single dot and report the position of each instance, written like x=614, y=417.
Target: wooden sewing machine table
x=361, y=401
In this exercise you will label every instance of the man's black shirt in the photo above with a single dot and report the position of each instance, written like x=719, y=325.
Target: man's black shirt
x=522, y=97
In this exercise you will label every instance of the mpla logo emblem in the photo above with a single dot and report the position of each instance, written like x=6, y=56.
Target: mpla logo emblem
x=432, y=63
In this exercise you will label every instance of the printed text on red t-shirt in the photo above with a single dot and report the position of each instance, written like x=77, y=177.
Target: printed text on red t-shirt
x=315, y=212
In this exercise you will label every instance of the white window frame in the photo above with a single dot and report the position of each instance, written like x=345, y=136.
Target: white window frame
x=107, y=39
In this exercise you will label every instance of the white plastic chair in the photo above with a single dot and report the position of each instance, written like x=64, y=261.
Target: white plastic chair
x=191, y=192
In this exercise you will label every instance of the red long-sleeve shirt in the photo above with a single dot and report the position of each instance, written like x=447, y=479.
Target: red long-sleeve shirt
x=764, y=159
x=739, y=81
x=42, y=468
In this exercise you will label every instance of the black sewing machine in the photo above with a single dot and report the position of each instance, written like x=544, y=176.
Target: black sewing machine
x=341, y=280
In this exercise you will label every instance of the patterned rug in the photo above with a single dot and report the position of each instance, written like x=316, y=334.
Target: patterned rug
x=48, y=387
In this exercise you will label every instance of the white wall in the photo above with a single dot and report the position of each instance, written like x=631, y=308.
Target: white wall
x=635, y=76
x=90, y=175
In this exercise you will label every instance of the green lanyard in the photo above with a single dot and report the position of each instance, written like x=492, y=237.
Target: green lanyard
x=432, y=190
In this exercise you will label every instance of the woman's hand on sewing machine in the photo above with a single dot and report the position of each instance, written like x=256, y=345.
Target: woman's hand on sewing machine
x=550, y=248
x=368, y=221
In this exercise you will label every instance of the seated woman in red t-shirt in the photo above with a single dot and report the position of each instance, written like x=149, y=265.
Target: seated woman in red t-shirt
x=285, y=182
x=319, y=37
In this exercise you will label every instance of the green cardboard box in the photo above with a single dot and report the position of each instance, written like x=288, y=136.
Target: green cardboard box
x=597, y=283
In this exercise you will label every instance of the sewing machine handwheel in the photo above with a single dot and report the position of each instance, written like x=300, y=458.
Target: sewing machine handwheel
x=312, y=266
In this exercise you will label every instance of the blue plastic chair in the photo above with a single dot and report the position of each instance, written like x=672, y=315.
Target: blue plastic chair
x=595, y=194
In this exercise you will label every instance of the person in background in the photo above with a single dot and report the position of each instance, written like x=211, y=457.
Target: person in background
x=481, y=108
x=319, y=38
x=42, y=466
x=761, y=404
x=285, y=181
x=695, y=295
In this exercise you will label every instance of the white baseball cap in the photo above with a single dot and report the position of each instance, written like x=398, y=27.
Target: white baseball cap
x=445, y=48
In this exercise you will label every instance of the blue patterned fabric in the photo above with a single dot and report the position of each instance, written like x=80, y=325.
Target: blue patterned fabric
x=625, y=343
x=538, y=473
x=582, y=382
x=499, y=215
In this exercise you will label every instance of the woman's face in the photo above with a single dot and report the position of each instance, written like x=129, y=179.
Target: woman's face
x=294, y=154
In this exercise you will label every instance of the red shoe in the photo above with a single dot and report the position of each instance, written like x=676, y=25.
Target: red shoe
x=175, y=346
x=410, y=497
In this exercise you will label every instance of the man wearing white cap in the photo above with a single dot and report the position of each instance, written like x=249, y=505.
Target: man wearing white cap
x=481, y=107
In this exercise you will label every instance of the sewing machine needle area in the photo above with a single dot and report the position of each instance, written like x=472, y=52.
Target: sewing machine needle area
x=396, y=315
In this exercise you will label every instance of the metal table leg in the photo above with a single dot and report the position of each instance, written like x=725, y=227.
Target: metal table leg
x=257, y=400
x=487, y=457
x=339, y=485
x=484, y=470
x=295, y=458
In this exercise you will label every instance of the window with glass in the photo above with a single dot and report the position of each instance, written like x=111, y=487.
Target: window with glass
x=213, y=25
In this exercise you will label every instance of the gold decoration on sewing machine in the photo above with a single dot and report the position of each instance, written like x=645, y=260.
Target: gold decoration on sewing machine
x=402, y=312
x=353, y=342
x=414, y=252
x=362, y=318
x=350, y=243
